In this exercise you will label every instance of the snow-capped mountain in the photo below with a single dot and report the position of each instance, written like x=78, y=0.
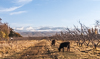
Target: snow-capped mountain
x=39, y=29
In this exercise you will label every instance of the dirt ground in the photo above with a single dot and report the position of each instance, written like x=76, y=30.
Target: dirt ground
x=44, y=50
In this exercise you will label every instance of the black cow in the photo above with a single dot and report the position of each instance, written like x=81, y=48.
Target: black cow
x=64, y=44
x=53, y=42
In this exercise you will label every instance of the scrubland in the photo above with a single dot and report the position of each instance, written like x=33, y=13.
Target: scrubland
x=13, y=47
x=42, y=49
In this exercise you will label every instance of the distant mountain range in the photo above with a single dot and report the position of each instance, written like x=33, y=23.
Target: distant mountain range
x=37, y=34
x=39, y=31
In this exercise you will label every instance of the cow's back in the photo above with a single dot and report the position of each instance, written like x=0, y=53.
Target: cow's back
x=65, y=44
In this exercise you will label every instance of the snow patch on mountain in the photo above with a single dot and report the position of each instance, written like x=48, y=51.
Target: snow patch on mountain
x=39, y=29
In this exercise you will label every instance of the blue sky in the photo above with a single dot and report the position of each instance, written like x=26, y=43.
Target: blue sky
x=56, y=13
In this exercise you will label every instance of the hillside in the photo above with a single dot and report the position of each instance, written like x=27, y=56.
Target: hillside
x=37, y=34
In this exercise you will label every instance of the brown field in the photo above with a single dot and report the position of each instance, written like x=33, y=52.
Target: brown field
x=42, y=49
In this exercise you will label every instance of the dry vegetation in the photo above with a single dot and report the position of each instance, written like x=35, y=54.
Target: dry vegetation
x=13, y=47
x=42, y=49
x=85, y=44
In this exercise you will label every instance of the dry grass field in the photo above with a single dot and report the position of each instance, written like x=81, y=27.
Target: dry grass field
x=42, y=49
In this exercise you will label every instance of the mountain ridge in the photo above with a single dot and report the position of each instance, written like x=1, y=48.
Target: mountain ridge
x=39, y=31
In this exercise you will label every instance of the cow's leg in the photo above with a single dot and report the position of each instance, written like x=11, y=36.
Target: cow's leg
x=68, y=48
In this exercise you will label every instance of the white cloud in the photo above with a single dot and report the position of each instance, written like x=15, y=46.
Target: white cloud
x=22, y=2
x=19, y=12
x=9, y=9
x=17, y=2
x=21, y=28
